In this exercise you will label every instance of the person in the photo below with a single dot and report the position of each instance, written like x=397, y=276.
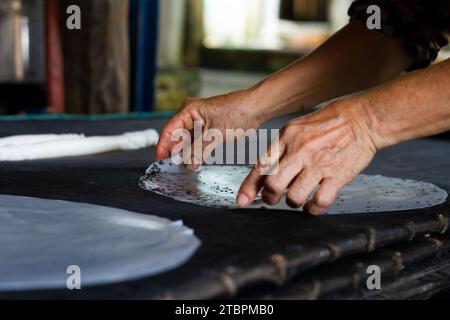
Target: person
x=381, y=105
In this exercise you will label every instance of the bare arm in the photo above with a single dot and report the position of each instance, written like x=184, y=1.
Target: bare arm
x=353, y=59
x=329, y=148
x=420, y=107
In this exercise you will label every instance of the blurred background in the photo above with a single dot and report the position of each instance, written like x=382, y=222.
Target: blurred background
x=149, y=55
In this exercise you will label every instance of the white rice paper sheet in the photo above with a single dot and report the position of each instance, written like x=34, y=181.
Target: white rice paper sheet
x=217, y=186
x=41, y=238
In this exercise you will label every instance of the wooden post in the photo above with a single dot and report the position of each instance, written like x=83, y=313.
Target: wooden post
x=55, y=68
x=96, y=57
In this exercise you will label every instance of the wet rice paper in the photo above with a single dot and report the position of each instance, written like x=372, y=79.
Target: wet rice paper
x=41, y=238
x=217, y=186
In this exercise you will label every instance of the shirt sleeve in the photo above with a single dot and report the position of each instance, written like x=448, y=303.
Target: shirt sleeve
x=422, y=25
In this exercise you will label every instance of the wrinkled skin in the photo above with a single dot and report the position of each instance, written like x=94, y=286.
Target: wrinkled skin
x=325, y=150
x=320, y=152
x=221, y=112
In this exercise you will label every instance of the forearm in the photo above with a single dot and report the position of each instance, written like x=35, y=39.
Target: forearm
x=353, y=59
x=413, y=106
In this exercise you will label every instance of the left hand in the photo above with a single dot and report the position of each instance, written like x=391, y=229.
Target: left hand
x=324, y=150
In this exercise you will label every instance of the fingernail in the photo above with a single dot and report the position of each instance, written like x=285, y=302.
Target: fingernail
x=311, y=210
x=191, y=167
x=242, y=200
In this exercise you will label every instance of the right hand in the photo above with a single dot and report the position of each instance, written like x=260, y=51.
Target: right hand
x=230, y=111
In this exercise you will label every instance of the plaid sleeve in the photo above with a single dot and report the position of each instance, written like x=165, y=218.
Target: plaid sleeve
x=422, y=25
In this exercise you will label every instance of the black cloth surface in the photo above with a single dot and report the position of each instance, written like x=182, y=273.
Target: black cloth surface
x=229, y=237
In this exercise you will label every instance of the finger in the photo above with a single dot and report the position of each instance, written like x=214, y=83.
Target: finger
x=203, y=145
x=267, y=165
x=165, y=143
x=324, y=197
x=195, y=159
x=213, y=147
x=302, y=187
x=250, y=187
x=276, y=185
x=269, y=160
x=183, y=120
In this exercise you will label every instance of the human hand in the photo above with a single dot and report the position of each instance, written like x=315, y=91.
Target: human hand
x=319, y=153
x=231, y=111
